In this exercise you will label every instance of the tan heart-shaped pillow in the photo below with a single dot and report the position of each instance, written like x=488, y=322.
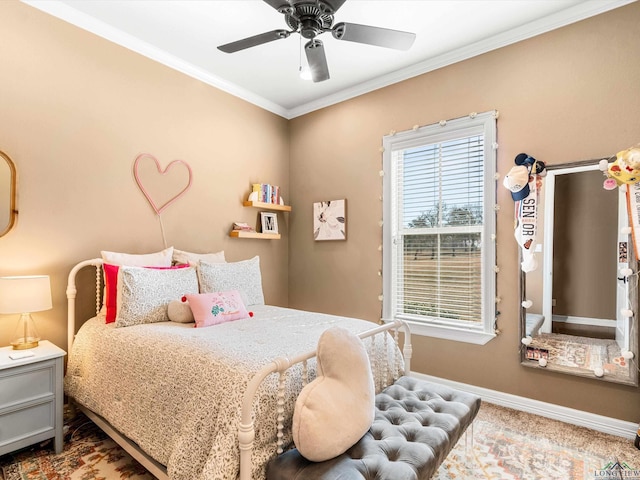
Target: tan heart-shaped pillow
x=335, y=410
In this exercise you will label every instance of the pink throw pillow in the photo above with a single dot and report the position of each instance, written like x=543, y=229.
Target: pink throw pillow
x=218, y=307
x=111, y=287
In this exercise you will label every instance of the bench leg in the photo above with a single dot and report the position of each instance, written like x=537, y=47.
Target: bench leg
x=468, y=447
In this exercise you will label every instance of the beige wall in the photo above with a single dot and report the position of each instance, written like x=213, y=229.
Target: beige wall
x=75, y=111
x=568, y=95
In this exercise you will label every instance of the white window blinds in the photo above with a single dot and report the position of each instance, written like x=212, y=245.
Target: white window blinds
x=439, y=219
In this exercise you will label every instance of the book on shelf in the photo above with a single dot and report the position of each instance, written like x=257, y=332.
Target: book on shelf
x=265, y=193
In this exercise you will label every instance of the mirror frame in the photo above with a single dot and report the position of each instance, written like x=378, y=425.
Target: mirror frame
x=633, y=377
x=13, y=212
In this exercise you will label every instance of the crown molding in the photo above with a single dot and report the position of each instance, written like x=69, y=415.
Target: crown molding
x=566, y=17
x=581, y=11
x=86, y=22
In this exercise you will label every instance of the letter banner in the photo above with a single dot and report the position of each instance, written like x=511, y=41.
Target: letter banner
x=633, y=209
x=527, y=227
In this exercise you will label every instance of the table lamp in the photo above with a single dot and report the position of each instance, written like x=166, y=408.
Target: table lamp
x=23, y=295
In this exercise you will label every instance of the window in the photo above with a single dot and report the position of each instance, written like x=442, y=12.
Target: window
x=439, y=228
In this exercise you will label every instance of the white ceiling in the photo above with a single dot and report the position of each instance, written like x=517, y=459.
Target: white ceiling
x=184, y=34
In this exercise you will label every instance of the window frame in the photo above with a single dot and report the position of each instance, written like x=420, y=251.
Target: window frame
x=475, y=124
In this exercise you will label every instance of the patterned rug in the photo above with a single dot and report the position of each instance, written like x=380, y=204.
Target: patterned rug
x=89, y=454
x=513, y=445
x=508, y=445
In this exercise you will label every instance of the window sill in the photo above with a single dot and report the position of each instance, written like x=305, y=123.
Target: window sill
x=476, y=337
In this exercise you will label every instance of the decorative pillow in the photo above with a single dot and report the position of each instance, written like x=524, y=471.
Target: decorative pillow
x=243, y=276
x=218, y=307
x=180, y=256
x=110, y=299
x=158, y=259
x=335, y=410
x=180, y=312
x=145, y=293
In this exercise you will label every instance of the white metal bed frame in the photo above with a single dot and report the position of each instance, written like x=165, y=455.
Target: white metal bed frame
x=246, y=430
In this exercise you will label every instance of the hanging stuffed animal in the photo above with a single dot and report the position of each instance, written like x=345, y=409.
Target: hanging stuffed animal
x=625, y=169
x=530, y=163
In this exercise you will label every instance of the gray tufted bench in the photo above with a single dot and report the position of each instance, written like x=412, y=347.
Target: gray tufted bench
x=416, y=425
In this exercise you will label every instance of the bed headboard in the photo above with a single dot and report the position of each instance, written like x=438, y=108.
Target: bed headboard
x=72, y=292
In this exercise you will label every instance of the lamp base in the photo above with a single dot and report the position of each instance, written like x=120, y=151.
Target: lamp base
x=25, y=343
x=26, y=335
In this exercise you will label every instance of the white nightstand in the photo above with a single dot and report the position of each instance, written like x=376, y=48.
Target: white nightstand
x=31, y=397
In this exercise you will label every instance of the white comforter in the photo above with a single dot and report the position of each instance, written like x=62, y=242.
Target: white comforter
x=177, y=390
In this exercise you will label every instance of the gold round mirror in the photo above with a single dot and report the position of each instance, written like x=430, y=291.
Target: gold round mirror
x=8, y=184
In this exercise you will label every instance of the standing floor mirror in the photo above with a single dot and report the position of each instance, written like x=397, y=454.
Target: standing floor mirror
x=579, y=304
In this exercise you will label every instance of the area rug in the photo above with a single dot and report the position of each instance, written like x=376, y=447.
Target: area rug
x=507, y=445
x=89, y=454
x=513, y=445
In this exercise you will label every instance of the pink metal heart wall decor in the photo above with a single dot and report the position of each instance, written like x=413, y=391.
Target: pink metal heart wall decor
x=175, y=163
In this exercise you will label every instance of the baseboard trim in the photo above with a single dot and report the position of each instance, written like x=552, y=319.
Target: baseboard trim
x=572, y=416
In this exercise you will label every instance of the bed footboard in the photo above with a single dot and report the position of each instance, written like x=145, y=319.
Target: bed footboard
x=246, y=430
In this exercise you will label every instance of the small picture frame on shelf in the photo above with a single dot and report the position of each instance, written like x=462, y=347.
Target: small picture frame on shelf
x=269, y=222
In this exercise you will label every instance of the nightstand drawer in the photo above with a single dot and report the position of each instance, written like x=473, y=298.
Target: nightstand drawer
x=31, y=398
x=26, y=383
x=26, y=422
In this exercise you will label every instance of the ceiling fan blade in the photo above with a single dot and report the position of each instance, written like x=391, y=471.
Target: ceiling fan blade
x=330, y=6
x=381, y=37
x=279, y=5
x=317, y=60
x=254, y=41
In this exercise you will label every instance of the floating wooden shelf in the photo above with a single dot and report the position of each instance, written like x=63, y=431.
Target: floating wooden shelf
x=268, y=206
x=262, y=236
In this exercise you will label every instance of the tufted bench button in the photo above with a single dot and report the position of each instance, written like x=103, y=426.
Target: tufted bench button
x=416, y=425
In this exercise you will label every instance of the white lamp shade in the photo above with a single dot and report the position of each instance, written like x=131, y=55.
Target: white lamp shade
x=25, y=294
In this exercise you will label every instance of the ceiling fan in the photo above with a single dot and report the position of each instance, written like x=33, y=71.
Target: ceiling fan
x=311, y=18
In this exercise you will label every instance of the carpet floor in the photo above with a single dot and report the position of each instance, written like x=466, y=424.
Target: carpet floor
x=507, y=445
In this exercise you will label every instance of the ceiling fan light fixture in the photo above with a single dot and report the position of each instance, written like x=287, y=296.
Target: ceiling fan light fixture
x=317, y=60
x=305, y=73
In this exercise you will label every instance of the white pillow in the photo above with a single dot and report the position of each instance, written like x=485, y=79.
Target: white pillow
x=243, y=276
x=180, y=256
x=335, y=410
x=145, y=293
x=158, y=259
